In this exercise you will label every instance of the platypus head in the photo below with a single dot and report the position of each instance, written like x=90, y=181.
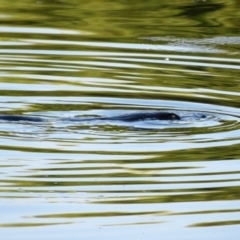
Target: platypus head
x=167, y=116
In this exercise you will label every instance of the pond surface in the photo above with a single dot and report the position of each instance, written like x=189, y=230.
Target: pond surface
x=113, y=179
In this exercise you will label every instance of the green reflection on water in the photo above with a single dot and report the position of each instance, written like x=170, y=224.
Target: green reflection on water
x=215, y=224
x=55, y=50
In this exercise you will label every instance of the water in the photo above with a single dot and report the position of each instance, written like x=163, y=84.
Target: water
x=105, y=179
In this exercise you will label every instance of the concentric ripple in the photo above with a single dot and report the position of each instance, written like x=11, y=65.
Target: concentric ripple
x=114, y=179
x=215, y=126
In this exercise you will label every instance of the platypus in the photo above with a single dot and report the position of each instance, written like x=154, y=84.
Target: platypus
x=132, y=117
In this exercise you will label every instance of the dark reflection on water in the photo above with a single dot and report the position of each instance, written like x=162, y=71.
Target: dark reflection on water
x=112, y=178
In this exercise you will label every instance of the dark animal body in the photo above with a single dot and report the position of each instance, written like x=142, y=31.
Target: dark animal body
x=133, y=117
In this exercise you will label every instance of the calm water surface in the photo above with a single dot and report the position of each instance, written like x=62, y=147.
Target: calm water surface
x=111, y=179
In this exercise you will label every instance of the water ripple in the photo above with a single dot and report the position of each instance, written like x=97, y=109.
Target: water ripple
x=124, y=173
